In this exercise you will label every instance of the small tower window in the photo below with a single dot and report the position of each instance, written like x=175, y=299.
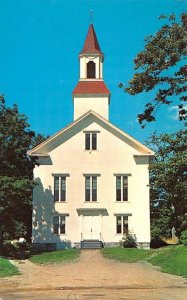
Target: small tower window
x=90, y=69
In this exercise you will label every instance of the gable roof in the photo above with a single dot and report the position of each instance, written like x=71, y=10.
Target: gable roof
x=91, y=44
x=78, y=125
x=91, y=87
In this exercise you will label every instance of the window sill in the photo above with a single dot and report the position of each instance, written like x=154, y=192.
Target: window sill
x=122, y=202
x=60, y=201
x=91, y=150
x=91, y=201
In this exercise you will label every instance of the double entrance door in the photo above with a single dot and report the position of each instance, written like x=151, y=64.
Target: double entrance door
x=91, y=227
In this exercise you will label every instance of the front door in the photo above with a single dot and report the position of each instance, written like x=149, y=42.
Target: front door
x=91, y=227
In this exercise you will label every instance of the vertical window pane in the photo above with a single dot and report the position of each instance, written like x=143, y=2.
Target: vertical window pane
x=118, y=224
x=94, y=141
x=87, y=141
x=87, y=189
x=94, y=188
x=125, y=224
x=56, y=188
x=90, y=69
x=55, y=225
x=118, y=188
x=125, y=188
x=63, y=188
x=62, y=225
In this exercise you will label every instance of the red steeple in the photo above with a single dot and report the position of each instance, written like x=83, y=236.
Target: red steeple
x=91, y=85
x=91, y=44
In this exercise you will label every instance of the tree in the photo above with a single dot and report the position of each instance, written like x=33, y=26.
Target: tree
x=161, y=69
x=168, y=183
x=16, y=173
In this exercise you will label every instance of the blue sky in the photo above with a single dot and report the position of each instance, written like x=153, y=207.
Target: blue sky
x=40, y=43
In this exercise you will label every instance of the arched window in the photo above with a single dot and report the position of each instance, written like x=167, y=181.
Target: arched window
x=90, y=69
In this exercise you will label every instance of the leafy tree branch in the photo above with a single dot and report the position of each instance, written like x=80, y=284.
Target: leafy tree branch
x=161, y=68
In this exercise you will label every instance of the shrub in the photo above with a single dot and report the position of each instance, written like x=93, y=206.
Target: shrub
x=129, y=241
x=183, y=238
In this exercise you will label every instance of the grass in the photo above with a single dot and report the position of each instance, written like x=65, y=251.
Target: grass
x=171, y=259
x=55, y=256
x=7, y=269
x=126, y=254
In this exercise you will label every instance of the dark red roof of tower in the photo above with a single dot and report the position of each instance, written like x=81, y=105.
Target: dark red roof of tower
x=91, y=87
x=91, y=44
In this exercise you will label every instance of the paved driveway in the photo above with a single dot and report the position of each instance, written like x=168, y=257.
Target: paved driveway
x=92, y=277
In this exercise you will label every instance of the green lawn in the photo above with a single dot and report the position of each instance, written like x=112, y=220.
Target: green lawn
x=126, y=254
x=7, y=269
x=55, y=256
x=171, y=259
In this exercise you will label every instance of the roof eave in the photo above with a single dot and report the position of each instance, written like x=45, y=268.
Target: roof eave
x=91, y=94
x=87, y=53
x=29, y=153
x=151, y=154
x=86, y=95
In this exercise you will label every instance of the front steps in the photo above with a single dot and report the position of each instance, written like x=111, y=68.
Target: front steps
x=91, y=244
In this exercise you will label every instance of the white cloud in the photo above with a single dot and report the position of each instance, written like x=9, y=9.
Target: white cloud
x=175, y=112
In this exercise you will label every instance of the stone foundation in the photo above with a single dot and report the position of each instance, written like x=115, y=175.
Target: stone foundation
x=143, y=245
x=38, y=247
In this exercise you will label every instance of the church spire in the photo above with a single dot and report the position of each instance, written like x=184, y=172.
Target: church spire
x=91, y=92
x=91, y=45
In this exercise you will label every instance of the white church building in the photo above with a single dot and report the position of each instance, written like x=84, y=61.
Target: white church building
x=93, y=178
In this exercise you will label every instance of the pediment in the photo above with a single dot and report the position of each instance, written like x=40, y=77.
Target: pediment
x=79, y=125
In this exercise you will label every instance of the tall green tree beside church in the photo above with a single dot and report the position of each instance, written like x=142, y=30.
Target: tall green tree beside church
x=16, y=172
x=161, y=70
x=168, y=183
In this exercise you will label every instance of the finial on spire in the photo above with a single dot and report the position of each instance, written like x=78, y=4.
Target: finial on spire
x=91, y=16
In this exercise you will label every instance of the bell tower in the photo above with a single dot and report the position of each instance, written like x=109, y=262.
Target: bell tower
x=91, y=93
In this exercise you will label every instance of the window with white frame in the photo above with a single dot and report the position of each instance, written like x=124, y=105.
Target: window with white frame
x=59, y=224
x=60, y=188
x=121, y=188
x=122, y=224
x=91, y=188
x=91, y=141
